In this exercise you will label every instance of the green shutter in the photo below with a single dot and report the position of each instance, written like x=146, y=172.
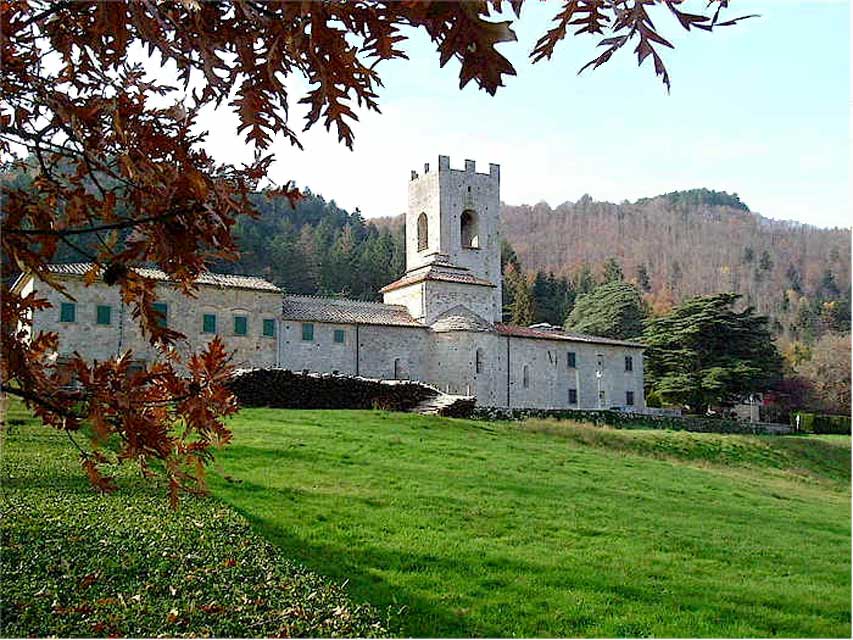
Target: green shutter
x=67, y=312
x=104, y=314
x=339, y=336
x=307, y=331
x=269, y=327
x=241, y=325
x=163, y=309
x=208, y=323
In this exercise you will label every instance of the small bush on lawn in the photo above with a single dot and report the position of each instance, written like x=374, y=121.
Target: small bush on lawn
x=79, y=564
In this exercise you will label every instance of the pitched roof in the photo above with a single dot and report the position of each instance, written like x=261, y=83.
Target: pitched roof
x=568, y=336
x=460, y=318
x=343, y=311
x=445, y=275
x=227, y=280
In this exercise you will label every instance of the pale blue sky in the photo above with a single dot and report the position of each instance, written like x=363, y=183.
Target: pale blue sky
x=760, y=108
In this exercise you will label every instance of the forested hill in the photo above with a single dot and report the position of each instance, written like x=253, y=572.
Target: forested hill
x=687, y=243
x=683, y=244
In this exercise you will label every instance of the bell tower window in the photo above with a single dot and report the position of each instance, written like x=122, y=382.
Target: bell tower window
x=423, y=232
x=470, y=230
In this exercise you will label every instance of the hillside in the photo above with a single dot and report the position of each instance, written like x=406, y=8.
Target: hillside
x=547, y=529
x=689, y=243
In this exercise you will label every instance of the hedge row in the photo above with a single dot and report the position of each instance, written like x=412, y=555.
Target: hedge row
x=285, y=389
x=624, y=420
x=817, y=423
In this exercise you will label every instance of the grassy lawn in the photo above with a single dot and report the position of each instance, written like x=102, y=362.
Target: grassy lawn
x=554, y=529
x=78, y=564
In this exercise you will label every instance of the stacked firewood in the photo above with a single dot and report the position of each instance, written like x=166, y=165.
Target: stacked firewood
x=287, y=389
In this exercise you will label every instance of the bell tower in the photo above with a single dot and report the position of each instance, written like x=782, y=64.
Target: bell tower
x=452, y=243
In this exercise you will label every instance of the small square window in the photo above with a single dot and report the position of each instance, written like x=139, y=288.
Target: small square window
x=163, y=310
x=629, y=398
x=629, y=363
x=339, y=336
x=241, y=325
x=307, y=331
x=208, y=323
x=104, y=314
x=570, y=360
x=573, y=396
x=269, y=327
x=67, y=312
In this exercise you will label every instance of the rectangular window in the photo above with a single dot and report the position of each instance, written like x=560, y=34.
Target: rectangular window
x=67, y=312
x=163, y=309
x=307, y=331
x=570, y=360
x=339, y=336
x=629, y=398
x=629, y=363
x=104, y=314
x=573, y=396
x=241, y=325
x=269, y=327
x=208, y=323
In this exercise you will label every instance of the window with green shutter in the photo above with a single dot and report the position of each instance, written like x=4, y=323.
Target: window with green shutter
x=307, y=331
x=163, y=309
x=241, y=325
x=339, y=336
x=67, y=312
x=269, y=327
x=208, y=323
x=104, y=314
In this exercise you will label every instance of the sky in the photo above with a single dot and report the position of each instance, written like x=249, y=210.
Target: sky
x=761, y=108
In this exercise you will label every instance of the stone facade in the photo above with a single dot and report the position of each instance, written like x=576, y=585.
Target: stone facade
x=116, y=331
x=440, y=323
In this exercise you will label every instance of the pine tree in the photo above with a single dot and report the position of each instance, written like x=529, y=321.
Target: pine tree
x=704, y=353
x=521, y=310
x=612, y=310
x=612, y=271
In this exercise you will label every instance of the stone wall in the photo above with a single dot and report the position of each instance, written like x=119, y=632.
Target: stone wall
x=96, y=341
x=448, y=361
x=373, y=355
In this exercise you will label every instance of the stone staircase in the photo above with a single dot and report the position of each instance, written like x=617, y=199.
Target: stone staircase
x=445, y=404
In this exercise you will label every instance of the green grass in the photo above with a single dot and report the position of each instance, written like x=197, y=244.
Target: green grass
x=75, y=563
x=545, y=529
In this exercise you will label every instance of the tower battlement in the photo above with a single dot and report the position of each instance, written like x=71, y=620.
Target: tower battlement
x=470, y=167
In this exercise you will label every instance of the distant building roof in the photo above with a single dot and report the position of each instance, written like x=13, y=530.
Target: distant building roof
x=432, y=273
x=343, y=311
x=460, y=318
x=79, y=269
x=552, y=334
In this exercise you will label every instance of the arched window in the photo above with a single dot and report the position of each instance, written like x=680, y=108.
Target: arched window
x=478, y=361
x=423, y=232
x=470, y=231
x=525, y=377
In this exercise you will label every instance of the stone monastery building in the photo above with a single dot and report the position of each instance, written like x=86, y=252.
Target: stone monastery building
x=440, y=323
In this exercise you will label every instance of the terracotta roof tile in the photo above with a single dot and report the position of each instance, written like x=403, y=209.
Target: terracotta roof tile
x=343, y=311
x=435, y=274
x=79, y=269
x=568, y=336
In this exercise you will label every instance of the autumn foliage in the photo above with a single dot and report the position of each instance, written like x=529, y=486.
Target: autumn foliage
x=117, y=154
